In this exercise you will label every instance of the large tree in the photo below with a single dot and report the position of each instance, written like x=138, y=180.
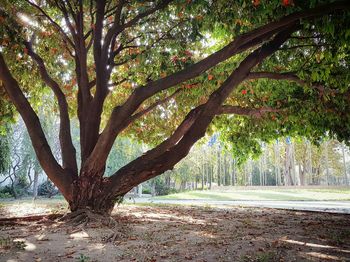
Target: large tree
x=163, y=71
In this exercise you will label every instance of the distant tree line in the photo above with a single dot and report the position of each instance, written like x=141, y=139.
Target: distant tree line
x=285, y=162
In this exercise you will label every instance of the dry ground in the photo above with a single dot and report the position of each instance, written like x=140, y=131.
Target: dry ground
x=173, y=233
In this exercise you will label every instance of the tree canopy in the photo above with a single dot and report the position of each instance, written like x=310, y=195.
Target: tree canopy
x=165, y=72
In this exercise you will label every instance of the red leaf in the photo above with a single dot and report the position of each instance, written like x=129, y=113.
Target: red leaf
x=256, y=2
x=287, y=2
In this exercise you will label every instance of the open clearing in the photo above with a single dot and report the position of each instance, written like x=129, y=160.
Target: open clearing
x=174, y=233
x=278, y=193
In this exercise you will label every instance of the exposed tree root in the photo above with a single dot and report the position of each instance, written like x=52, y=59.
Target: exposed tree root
x=114, y=236
x=84, y=217
x=23, y=220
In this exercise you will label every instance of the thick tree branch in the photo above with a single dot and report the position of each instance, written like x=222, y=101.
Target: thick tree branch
x=284, y=76
x=98, y=30
x=61, y=5
x=61, y=178
x=171, y=141
x=118, y=12
x=144, y=168
x=154, y=105
x=302, y=46
x=118, y=82
x=240, y=44
x=76, y=14
x=120, y=114
x=67, y=147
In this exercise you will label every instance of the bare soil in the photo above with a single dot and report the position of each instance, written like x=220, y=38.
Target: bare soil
x=173, y=233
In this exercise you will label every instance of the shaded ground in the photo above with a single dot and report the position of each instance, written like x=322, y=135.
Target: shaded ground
x=174, y=233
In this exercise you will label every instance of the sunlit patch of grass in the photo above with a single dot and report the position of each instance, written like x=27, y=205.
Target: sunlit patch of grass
x=152, y=204
x=265, y=194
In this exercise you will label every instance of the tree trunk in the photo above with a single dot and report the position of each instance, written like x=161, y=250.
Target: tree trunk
x=202, y=177
x=288, y=170
x=326, y=162
x=231, y=172
x=183, y=185
x=139, y=190
x=277, y=164
x=35, y=183
x=153, y=188
x=302, y=175
x=219, y=166
x=346, y=180
x=260, y=172
x=211, y=175
x=13, y=188
x=90, y=192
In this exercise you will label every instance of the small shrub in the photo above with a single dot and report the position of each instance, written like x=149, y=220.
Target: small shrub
x=47, y=189
x=146, y=191
x=21, y=186
x=162, y=189
x=5, y=195
x=6, y=192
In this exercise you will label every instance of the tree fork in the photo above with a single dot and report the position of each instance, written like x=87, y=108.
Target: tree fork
x=119, y=118
x=143, y=168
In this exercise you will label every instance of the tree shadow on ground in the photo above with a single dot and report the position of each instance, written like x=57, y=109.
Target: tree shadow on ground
x=174, y=233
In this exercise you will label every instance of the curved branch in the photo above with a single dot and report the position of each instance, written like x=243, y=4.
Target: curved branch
x=68, y=150
x=154, y=105
x=145, y=167
x=238, y=45
x=248, y=40
x=2, y=181
x=284, y=76
x=62, y=7
x=54, y=171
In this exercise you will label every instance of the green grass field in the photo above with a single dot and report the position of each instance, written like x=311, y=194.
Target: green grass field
x=225, y=193
x=266, y=194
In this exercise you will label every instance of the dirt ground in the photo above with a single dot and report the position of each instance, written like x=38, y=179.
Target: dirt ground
x=174, y=233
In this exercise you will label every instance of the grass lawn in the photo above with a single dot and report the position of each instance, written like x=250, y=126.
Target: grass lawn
x=339, y=194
